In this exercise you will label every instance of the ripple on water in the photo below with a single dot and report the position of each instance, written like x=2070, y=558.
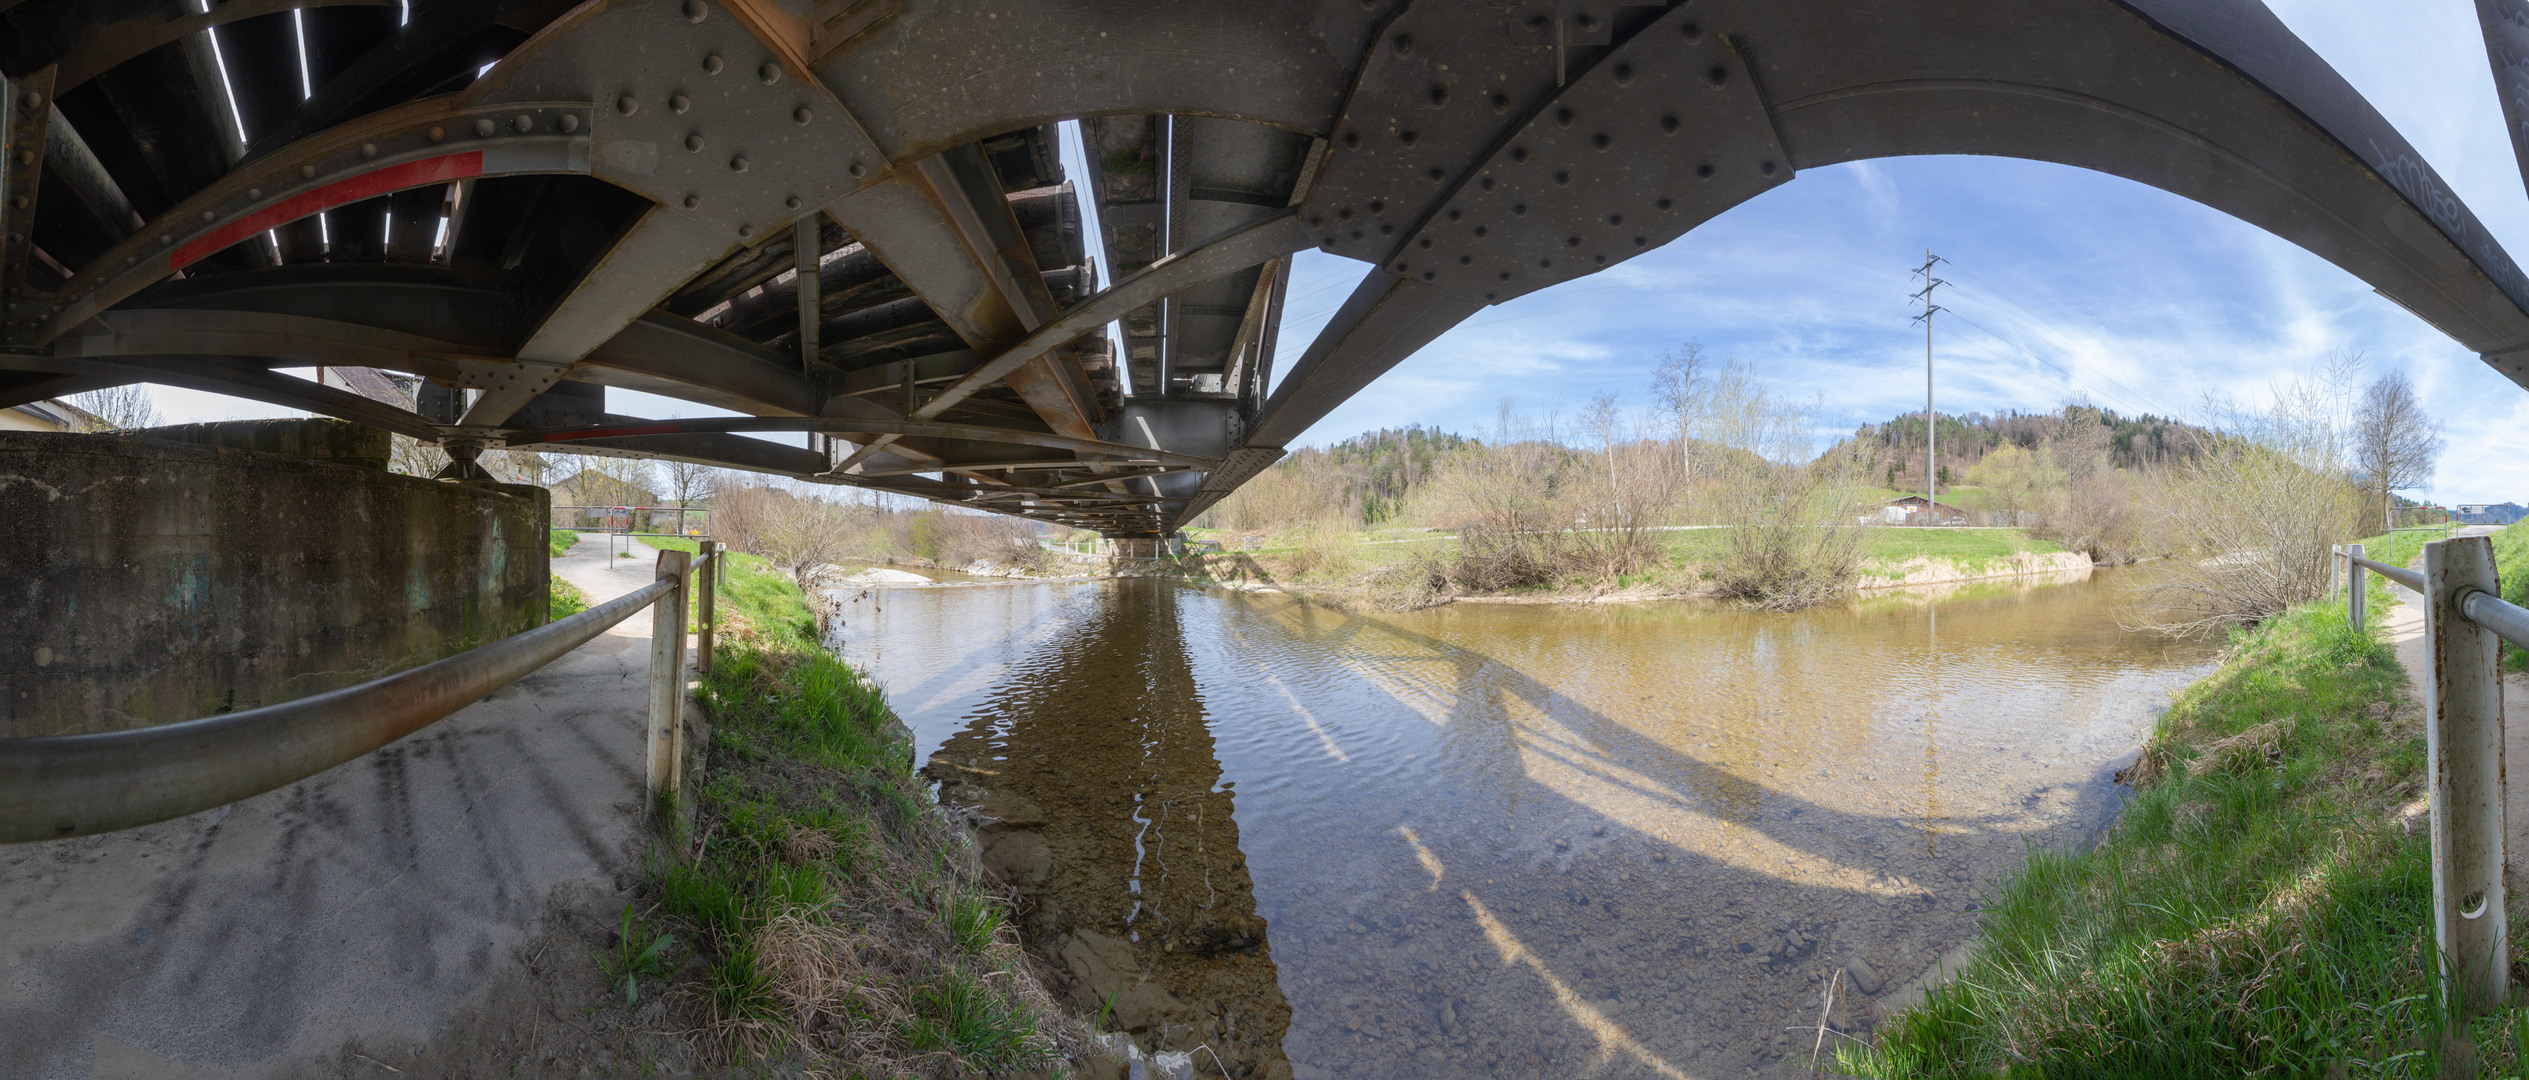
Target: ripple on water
x=1508, y=840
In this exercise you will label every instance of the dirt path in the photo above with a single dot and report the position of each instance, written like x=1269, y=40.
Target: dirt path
x=404, y=911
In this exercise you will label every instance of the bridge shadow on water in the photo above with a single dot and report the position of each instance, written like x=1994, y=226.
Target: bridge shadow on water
x=1461, y=869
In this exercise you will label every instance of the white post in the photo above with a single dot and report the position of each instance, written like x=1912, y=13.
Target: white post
x=667, y=678
x=2463, y=733
x=2353, y=579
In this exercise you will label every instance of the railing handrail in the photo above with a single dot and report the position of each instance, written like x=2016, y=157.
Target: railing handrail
x=2398, y=574
x=56, y=786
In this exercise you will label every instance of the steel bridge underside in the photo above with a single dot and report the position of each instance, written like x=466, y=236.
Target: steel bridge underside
x=849, y=217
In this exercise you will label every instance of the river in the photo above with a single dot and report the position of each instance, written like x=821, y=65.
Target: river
x=1489, y=840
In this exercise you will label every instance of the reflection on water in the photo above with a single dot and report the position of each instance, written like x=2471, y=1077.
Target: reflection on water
x=1507, y=840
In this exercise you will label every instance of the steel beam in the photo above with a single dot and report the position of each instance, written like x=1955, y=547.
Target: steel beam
x=662, y=251
x=848, y=426
x=234, y=378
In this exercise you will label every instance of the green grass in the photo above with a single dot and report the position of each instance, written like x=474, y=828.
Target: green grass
x=2256, y=911
x=815, y=842
x=562, y=599
x=2511, y=562
x=561, y=540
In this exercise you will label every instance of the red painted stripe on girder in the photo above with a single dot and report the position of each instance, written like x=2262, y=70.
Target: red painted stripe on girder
x=610, y=433
x=411, y=174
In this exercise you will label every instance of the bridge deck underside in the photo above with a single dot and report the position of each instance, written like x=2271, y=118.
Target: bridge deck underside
x=856, y=225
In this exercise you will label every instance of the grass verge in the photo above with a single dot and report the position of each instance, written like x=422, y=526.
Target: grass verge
x=829, y=915
x=2262, y=907
x=562, y=598
x=561, y=540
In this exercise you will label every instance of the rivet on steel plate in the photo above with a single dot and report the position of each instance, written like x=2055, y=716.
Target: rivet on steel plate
x=163, y=241
x=523, y=124
x=1545, y=264
x=1615, y=219
x=1501, y=103
x=695, y=10
x=792, y=202
x=1600, y=141
x=1563, y=118
x=678, y=103
x=1404, y=44
x=1519, y=209
x=737, y=164
x=1505, y=275
x=694, y=142
x=626, y=105
x=1481, y=232
x=438, y=134
x=1438, y=174
x=1561, y=177
x=1624, y=74
x=1425, y=242
x=307, y=172
x=34, y=100
x=1387, y=230
x=1378, y=206
x=1571, y=241
x=484, y=128
x=1641, y=241
x=855, y=169
x=1519, y=155
x=1408, y=138
x=206, y=215
x=1352, y=140
x=1455, y=213
x=745, y=231
x=1439, y=96
x=692, y=201
x=802, y=115
x=368, y=150
x=1692, y=32
x=254, y=193
x=771, y=73
x=570, y=122
x=1464, y=260
x=1668, y=125
x=1719, y=76
x=1767, y=168
x=714, y=65
x=1663, y=203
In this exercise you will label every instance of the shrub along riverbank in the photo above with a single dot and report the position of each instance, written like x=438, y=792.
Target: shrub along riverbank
x=2261, y=908
x=1415, y=568
x=819, y=908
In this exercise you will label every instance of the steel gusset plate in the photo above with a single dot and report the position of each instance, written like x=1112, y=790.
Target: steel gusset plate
x=1442, y=86
x=695, y=111
x=1665, y=133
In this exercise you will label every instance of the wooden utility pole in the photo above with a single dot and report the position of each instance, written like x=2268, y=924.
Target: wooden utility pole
x=1931, y=420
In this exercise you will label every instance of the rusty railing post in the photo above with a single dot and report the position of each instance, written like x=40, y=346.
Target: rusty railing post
x=706, y=593
x=667, y=678
x=2353, y=583
x=2463, y=730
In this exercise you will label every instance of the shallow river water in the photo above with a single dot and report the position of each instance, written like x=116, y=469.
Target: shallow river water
x=1506, y=840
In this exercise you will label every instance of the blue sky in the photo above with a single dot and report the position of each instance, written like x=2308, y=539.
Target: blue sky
x=2069, y=284
x=2077, y=284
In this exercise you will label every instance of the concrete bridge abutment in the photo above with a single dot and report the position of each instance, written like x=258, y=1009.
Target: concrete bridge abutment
x=157, y=576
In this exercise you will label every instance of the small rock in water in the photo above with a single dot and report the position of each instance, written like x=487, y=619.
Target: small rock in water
x=1599, y=831
x=1561, y=844
x=1863, y=977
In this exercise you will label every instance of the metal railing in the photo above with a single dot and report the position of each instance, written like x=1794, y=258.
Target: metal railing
x=57, y=786
x=2465, y=622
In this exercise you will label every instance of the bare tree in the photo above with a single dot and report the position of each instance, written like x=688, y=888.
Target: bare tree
x=120, y=408
x=1679, y=386
x=685, y=480
x=2394, y=443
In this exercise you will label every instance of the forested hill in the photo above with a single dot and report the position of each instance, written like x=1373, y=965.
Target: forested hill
x=2077, y=433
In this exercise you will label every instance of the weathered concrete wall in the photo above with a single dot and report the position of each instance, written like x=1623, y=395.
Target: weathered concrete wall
x=145, y=581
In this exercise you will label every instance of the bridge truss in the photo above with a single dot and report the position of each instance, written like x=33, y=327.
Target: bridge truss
x=849, y=217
